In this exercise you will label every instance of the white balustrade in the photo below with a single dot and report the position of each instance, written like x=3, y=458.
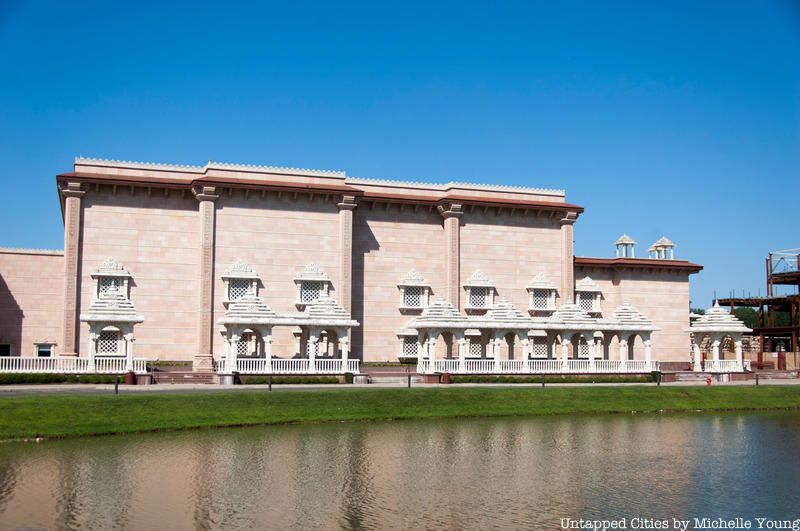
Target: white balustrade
x=536, y=366
x=723, y=366
x=69, y=365
x=292, y=366
x=577, y=366
x=545, y=366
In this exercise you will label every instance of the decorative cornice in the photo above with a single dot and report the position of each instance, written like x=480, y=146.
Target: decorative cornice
x=89, y=161
x=569, y=218
x=413, y=278
x=274, y=169
x=72, y=189
x=451, y=210
x=587, y=284
x=22, y=250
x=455, y=184
x=211, y=165
x=637, y=263
x=312, y=272
x=205, y=193
x=540, y=281
x=240, y=269
x=110, y=268
x=348, y=202
x=479, y=279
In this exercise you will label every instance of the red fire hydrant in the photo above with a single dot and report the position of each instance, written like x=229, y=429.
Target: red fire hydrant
x=708, y=381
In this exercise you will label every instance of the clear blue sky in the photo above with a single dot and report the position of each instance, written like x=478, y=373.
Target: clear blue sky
x=675, y=118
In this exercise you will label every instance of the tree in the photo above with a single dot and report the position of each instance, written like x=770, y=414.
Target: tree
x=748, y=316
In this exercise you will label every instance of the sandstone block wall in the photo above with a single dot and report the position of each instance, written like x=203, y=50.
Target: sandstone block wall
x=661, y=295
x=156, y=238
x=510, y=250
x=277, y=236
x=387, y=244
x=31, y=294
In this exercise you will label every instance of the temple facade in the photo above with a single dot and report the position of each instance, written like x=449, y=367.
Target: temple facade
x=227, y=265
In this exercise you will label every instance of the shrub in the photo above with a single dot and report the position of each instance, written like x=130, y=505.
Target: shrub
x=552, y=378
x=282, y=380
x=39, y=378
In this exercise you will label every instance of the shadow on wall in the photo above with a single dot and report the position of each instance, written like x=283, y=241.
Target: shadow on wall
x=364, y=242
x=10, y=321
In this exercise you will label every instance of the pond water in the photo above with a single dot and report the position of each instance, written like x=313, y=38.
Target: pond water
x=476, y=473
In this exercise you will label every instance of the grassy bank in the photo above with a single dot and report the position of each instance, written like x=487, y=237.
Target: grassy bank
x=63, y=416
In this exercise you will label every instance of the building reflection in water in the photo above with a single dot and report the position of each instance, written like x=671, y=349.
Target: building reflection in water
x=456, y=473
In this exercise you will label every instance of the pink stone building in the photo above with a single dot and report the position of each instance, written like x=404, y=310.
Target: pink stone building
x=224, y=265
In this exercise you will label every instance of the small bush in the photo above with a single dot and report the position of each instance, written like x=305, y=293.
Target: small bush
x=283, y=380
x=551, y=378
x=38, y=378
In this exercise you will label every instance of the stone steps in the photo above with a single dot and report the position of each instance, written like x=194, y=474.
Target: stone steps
x=777, y=375
x=184, y=377
x=394, y=379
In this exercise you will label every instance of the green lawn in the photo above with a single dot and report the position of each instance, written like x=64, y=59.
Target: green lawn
x=60, y=416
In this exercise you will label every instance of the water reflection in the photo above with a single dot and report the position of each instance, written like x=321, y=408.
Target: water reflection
x=494, y=473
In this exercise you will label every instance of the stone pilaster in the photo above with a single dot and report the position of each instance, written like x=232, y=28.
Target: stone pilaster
x=452, y=259
x=204, y=355
x=72, y=193
x=345, y=287
x=567, y=291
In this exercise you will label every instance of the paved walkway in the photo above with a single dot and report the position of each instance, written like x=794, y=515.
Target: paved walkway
x=105, y=389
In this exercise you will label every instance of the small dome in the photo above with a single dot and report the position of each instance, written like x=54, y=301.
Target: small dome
x=625, y=239
x=664, y=242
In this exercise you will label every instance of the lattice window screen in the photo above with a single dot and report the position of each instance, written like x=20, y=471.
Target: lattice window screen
x=243, y=345
x=475, y=348
x=108, y=342
x=237, y=288
x=541, y=299
x=479, y=297
x=586, y=301
x=109, y=286
x=412, y=297
x=310, y=290
x=410, y=346
x=583, y=349
x=312, y=347
x=540, y=347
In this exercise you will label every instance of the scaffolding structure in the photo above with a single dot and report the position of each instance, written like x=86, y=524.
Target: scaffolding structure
x=783, y=269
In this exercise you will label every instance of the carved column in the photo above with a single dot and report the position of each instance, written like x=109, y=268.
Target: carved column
x=648, y=352
x=739, y=354
x=129, y=351
x=345, y=287
x=452, y=259
x=697, y=358
x=564, y=353
x=72, y=231
x=623, y=353
x=567, y=258
x=344, y=348
x=204, y=356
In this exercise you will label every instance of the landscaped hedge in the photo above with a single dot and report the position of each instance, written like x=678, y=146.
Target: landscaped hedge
x=38, y=378
x=278, y=380
x=551, y=379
